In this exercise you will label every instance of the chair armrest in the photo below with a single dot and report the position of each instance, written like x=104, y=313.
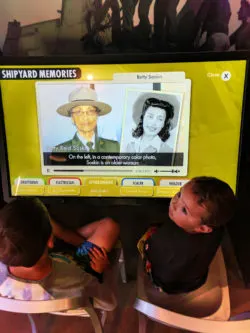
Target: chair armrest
x=176, y=320
x=19, y=306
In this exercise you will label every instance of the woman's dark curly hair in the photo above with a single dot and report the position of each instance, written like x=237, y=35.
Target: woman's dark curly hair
x=155, y=102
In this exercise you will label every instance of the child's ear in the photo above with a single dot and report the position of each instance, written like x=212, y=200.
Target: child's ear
x=204, y=229
x=50, y=242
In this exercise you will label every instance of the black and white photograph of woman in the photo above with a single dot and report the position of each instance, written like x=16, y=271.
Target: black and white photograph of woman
x=155, y=122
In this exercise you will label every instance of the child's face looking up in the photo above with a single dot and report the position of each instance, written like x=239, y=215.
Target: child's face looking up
x=185, y=211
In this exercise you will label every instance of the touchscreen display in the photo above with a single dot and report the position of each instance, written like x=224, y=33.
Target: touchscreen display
x=132, y=130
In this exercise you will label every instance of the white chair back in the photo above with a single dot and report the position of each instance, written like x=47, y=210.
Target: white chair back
x=192, y=324
x=210, y=301
x=63, y=304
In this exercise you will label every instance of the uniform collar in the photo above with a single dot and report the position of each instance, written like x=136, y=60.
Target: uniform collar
x=84, y=141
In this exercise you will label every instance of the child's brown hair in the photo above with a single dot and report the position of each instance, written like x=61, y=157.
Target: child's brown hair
x=24, y=232
x=218, y=198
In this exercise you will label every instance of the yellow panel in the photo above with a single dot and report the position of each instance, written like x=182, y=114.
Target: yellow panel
x=160, y=191
x=62, y=190
x=99, y=191
x=132, y=191
x=215, y=120
x=27, y=190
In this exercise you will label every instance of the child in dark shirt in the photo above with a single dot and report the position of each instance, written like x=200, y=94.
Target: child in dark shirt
x=177, y=254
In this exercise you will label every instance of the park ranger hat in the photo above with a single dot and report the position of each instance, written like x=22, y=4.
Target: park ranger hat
x=170, y=98
x=83, y=96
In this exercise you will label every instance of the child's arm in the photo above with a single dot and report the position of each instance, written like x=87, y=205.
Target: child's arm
x=68, y=236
